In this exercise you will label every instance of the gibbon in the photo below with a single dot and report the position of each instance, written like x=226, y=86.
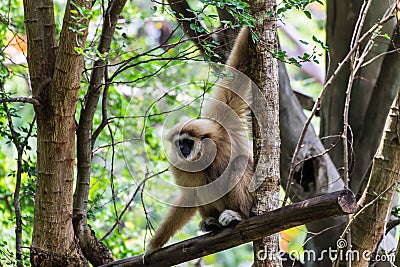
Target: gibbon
x=211, y=158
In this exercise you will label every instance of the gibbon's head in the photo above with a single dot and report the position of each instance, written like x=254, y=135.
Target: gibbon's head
x=193, y=148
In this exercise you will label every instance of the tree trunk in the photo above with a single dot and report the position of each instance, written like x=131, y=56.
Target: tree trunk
x=368, y=227
x=55, y=80
x=264, y=73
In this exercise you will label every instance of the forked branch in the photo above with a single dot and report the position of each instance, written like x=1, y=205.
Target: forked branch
x=314, y=209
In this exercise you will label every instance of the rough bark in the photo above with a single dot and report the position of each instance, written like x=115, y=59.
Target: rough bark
x=55, y=82
x=368, y=226
x=41, y=35
x=94, y=250
x=263, y=71
x=329, y=205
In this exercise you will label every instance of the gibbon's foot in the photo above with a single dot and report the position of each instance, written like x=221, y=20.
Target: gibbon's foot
x=228, y=217
x=209, y=224
x=147, y=253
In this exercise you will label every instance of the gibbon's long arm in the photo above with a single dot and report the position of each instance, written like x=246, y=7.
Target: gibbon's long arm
x=176, y=218
x=240, y=52
x=239, y=85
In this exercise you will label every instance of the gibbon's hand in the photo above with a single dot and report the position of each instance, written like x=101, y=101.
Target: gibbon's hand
x=209, y=224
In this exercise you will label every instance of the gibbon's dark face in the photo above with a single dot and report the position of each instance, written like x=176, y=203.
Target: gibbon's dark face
x=193, y=150
x=185, y=146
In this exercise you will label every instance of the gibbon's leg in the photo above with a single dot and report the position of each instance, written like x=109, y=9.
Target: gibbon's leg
x=176, y=218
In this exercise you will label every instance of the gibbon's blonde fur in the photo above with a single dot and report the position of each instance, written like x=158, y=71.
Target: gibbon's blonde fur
x=213, y=151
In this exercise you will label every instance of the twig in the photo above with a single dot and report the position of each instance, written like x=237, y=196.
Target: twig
x=21, y=99
x=355, y=63
x=354, y=67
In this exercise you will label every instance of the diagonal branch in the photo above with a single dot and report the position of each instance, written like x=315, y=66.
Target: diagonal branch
x=325, y=206
x=369, y=227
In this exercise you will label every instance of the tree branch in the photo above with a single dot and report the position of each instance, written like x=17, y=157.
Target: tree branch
x=20, y=99
x=185, y=17
x=329, y=205
x=42, y=44
x=378, y=196
x=18, y=176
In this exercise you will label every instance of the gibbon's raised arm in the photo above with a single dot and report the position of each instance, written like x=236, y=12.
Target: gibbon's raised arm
x=240, y=51
x=234, y=89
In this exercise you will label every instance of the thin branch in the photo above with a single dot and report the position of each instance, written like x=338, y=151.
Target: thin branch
x=354, y=67
x=21, y=99
x=104, y=107
x=378, y=56
x=254, y=228
x=113, y=195
x=7, y=202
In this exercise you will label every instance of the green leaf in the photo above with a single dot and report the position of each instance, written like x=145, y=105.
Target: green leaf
x=303, y=42
x=78, y=50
